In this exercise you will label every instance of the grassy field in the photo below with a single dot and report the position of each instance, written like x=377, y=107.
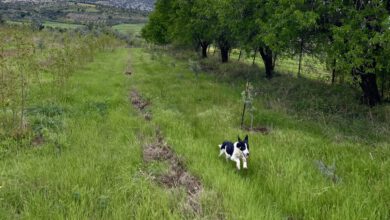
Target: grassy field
x=90, y=162
x=283, y=179
x=16, y=23
x=129, y=28
x=92, y=169
x=53, y=24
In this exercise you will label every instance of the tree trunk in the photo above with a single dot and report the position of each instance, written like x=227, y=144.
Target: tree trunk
x=369, y=86
x=266, y=55
x=224, y=54
x=204, y=46
x=334, y=71
x=224, y=46
x=300, y=59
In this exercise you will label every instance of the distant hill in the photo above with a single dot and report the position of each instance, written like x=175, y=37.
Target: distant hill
x=75, y=12
x=143, y=5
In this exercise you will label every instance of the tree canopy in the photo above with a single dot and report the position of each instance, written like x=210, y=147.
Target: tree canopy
x=352, y=37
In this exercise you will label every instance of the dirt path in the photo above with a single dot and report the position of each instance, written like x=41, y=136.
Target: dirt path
x=177, y=177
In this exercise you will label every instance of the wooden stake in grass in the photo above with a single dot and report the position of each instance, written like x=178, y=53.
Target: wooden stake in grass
x=247, y=97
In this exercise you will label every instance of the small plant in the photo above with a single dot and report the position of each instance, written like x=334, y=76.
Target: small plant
x=247, y=97
x=328, y=171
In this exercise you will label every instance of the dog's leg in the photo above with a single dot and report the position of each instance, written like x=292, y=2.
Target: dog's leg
x=227, y=156
x=245, y=165
x=237, y=160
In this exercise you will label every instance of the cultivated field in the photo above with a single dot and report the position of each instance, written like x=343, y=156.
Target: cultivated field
x=129, y=28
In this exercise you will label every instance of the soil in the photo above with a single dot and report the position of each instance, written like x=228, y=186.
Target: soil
x=140, y=104
x=8, y=53
x=38, y=140
x=177, y=175
x=262, y=130
x=129, y=70
x=46, y=63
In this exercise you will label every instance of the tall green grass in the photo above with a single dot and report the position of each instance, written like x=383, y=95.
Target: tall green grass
x=90, y=167
x=90, y=164
x=283, y=180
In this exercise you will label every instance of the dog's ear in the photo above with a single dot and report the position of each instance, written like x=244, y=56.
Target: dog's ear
x=239, y=139
x=246, y=139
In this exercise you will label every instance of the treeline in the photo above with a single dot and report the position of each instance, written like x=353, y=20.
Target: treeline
x=352, y=37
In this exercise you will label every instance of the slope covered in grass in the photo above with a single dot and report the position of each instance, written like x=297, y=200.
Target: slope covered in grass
x=285, y=177
x=89, y=167
x=89, y=163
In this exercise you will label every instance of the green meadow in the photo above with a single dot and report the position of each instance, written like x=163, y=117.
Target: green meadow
x=128, y=28
x=51, y=24
x=89, y=162
x=54, y=24
x=92, y=169
x=283, y=180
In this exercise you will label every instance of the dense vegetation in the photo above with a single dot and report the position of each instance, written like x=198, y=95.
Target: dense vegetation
x=349, y=37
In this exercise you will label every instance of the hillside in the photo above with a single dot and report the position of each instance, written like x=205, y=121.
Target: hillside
x=70, y=12
x=143, y=5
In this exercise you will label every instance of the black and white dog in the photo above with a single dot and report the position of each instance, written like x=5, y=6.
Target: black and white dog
x=236, y=151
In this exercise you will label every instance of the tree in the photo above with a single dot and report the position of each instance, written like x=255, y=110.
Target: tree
x=194, y=23
x=296, y=26
x=359, y=42
x=250, y=19
x=351, y=37
x=225, y=33
x=160, y=21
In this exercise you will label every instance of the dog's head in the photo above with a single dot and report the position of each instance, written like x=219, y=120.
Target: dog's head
x=243, y=145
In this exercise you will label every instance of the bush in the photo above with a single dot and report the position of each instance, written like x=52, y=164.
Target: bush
x=36, y=25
